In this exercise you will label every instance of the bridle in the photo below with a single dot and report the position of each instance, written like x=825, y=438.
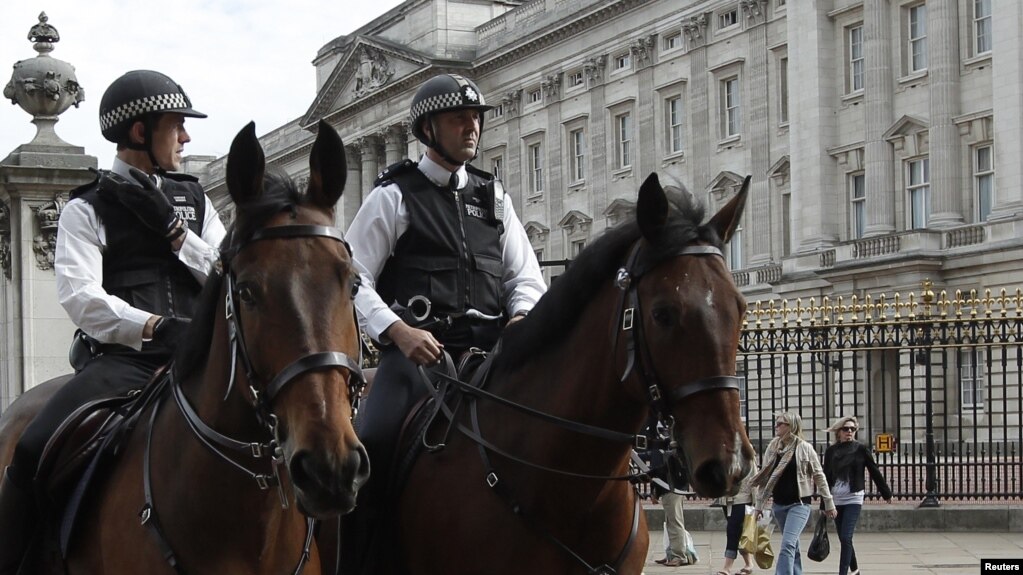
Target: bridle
x=220, y=445
x=627, y=321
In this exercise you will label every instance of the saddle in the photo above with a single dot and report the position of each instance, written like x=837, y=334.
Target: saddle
x=88, y=438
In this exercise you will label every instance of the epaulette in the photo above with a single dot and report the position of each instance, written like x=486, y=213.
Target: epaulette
x=180, y=177
x=474, y=170
x=74, y=193
x=394, y=169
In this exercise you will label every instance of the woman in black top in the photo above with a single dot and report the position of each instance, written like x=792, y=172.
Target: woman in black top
x=844, y=463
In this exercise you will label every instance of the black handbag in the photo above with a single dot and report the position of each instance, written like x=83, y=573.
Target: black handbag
x=819, y=545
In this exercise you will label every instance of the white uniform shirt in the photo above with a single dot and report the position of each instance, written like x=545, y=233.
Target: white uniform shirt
x=78, y=264
x=384, y=217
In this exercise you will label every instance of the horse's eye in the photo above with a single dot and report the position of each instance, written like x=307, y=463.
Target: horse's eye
x=246, y=294
x=663, y=316
x=356, y=284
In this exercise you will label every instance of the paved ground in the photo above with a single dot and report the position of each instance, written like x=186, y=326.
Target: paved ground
x=897, y=553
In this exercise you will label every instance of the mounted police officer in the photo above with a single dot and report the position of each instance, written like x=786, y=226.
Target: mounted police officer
x=445, y=264
x=133, y=250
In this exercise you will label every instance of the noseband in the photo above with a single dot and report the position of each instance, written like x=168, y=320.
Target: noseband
x=629, y=321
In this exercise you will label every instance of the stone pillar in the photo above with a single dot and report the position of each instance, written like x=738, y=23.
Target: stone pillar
x=816, y=201
x=34, y=181
x=704, y=140
x=370, y=167
x=758, y=133
x=394, y=144
x=1006, y=78
x=354, y=192
x=879, y=174
x=945, y=145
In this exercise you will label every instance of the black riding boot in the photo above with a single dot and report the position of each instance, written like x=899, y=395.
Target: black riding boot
x=17, y=522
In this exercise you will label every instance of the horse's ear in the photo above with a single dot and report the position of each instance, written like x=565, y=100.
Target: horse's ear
x=328, y=168
x=651, y=207
x=245, y=166
x=727, y=219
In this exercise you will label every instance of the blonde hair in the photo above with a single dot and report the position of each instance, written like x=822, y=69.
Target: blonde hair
x=840, y=423
x=795, y=422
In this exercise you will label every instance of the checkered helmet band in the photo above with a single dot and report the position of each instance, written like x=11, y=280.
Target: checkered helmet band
x=444, y=92
x=141, y=106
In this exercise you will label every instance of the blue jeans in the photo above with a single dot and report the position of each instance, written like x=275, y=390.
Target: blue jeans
x=845, y=524
x=792, y=520
x=733, y=530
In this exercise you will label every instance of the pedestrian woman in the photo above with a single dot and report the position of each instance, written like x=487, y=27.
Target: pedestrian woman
x=791, y=469
x=844, y=463
x=735, y=513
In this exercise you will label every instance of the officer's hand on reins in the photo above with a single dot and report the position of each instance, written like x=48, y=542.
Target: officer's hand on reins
x=418, y=345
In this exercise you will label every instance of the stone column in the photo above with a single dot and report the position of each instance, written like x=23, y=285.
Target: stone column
x=815, y=200
x=758, y=133
x=879, y=175
x=1006, y=78
x=354, y=192
x=945, y=145
x=394, y=144
x=704, y=140
x=370, y=167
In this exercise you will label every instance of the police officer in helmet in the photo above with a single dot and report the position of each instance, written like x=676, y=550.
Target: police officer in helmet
x=133, y=250
x=445, y=265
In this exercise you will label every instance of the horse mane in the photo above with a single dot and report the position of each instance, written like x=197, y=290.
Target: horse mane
x=279, y=194
x=593, y=269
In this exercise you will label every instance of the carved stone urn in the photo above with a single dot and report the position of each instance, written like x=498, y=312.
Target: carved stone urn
x=44, y=86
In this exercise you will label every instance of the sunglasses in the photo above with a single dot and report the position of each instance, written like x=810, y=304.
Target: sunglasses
x=849, y=429
x=777, y=423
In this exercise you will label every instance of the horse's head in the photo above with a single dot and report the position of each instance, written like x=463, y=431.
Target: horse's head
x=689, y=316
x=290, y=286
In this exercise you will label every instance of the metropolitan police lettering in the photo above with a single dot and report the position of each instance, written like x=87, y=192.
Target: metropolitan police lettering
x=186, y=213
x=475, y=211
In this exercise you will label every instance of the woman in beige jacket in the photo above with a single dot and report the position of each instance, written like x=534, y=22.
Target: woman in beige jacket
x=791, y=470
x=735, y=513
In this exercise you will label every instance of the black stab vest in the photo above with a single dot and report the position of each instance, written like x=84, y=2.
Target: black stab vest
x=451, y=252
x=138, y=265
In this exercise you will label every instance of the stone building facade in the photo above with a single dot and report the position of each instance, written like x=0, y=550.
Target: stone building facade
x=884, y=137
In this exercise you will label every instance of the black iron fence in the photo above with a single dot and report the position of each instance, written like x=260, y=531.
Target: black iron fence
x=935, y=381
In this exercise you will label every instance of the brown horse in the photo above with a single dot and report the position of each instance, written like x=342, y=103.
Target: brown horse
x=534, y=479
x=253, y=434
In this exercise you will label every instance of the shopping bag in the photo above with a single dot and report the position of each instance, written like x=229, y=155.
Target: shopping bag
x=819, y=545
x=764, y=555
x=748, y=538
x=691, y=557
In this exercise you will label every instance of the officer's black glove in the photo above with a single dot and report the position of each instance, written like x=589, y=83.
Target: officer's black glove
x=149, y=205
x=169, y=331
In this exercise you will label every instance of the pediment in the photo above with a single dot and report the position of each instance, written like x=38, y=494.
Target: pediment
x=535, y=231
x=369, y=65
x=619, y=211
x=725, y=180
x=905, y=126
x=575, y=218
x=779, y=171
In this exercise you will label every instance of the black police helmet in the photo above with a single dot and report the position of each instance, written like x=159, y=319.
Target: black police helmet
x=136, y=94
x=444, y=93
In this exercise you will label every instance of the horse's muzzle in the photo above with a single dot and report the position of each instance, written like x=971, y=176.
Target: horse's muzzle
x=325, y=489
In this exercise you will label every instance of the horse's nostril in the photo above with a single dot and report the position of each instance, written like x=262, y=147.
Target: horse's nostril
x=712, y=478
x=301, y=473
x=362, y=467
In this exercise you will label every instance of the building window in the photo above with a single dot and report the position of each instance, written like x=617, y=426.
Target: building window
x=971, y=379
x=575, y=79
x=919, y=192
x=858, y=207
x=539, y=255
x=673, y=41
x=578, y=142
x=577, y=247
x=982, y=26
x=730, y=107
x=783, y=89
x=495, y=167
x=535, y=96
x=622, y=61
x=735, y=250
x=918, y=38
x=497, y=111
x=673, y=122
x=535, y=169
x=729, y=18
x=786, y=223
x=855, y=59
x=623, y=140
x=983, y=180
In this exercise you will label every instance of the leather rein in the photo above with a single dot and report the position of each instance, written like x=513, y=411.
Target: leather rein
x=221, y=445
x=627, y=321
